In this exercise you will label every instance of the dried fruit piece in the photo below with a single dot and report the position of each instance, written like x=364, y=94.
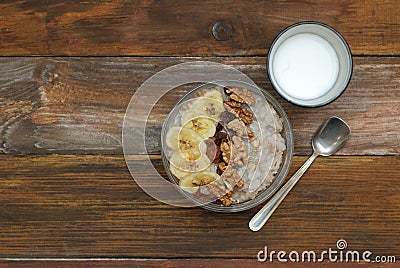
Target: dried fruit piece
x=213, y=152
x=219, y=127
x=226, y=117
x=220, y=137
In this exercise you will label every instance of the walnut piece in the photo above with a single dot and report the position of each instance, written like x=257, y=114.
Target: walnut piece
x=240, y=183
x=246, y=116
x=227, y=199
x=250, y=134
x=223, y=189
x=230, y=177
x=226, y=151
x=233, y=104
x=237, y=98
x=232, y=110
x=239, y=155
x=239, y=127
x=244, y=94
x=217, y=189
x=222, y=167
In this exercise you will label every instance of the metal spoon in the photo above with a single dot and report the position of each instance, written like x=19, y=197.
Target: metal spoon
x=328, y=139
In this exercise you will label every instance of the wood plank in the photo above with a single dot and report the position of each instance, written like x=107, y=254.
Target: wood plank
x=88, y=206
x=115, y=28
x=77, y=105
x=240, y=263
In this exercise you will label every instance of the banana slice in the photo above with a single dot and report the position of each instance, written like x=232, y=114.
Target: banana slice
x=179, y=173
x=208, y=106
x=186, y=141
x=213, y=94
x=199, y=123
x=172, y=137
x=181, y=163
x=192, y=181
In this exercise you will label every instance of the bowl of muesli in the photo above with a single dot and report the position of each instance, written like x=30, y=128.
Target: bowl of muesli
x=228, y=145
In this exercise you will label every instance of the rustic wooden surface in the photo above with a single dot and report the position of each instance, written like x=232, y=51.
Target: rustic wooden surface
x=89, y=206
x=65, y=191
x=77, y=105
x=172, y=263
x=164, y=28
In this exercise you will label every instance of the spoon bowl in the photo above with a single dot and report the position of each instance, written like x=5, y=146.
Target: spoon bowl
x=331, y=136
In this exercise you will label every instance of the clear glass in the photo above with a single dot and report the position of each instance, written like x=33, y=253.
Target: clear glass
x=343, y=53
x=280, y=176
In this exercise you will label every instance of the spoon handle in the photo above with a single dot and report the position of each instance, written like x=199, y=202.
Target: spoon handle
x=258, y=221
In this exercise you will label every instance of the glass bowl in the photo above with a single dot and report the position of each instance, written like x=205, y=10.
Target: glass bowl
x=282, y=171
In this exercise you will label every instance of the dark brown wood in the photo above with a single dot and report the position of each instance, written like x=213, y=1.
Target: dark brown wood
x=88, y=206
x=183, y=28
x=77, y=105
x=184, y=263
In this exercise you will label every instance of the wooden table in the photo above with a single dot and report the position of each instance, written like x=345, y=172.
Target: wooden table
x=67, y=74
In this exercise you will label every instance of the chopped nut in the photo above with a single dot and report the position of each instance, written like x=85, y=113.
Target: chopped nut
x=216, y=189
x=246, y=116
x=226, y=151
x=244, y=94
x=222, y=167
x=230, y=177
x=237, y=98
x=250, y=134
x=240, y=183
x=233, y=110
x=239, y=155
x=239, y=127
x=233, y=104
x=226, y=200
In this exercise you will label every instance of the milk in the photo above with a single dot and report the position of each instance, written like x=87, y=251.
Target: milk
x=305, y=66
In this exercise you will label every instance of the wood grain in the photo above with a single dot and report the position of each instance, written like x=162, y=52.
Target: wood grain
x=241, y=263
x=88, y=206
x=165, y=28
x=77, y=105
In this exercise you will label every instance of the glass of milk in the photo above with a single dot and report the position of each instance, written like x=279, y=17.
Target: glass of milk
x=309, y=64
